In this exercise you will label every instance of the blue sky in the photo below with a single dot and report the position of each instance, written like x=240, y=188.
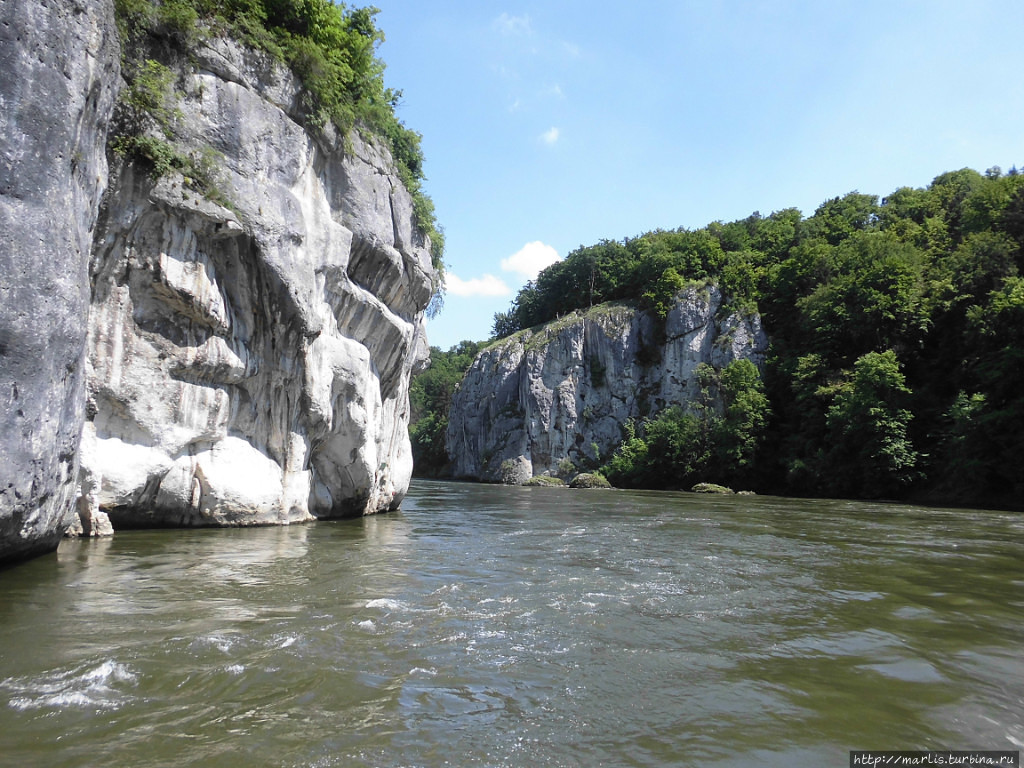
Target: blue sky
x=550, y=125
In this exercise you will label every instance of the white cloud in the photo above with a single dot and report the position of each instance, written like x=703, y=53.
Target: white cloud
x=513, y=25
x=550, y=136
x=529, y=260
x=488, y=285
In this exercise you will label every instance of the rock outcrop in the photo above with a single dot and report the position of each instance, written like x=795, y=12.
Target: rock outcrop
x=563, y=392
x=241, y=358
x=59, y=65
x=250, y=364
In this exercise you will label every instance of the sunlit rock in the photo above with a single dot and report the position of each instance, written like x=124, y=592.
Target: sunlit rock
x=539, y=398
x=249, y=363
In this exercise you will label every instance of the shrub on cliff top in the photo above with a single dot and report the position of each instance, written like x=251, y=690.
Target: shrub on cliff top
x=331, y=48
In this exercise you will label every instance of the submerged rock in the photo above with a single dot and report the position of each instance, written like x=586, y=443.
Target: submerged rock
x=713, y=488
x=589, y=480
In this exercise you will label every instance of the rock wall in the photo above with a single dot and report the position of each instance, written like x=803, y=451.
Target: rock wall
x=535, y=399
x=59, y=65
x=237, y=362
x=250, y=364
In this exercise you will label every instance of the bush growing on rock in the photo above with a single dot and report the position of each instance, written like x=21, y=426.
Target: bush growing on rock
x=589, y=480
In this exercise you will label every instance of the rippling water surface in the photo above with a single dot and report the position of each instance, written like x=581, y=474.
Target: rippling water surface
x=489, y=626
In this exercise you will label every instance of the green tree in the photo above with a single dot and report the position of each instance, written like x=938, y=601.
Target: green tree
x=870, y=452
x=430, y=400
x=745, y=419
x=837, y=219
x=673, y=452
x=872, y=300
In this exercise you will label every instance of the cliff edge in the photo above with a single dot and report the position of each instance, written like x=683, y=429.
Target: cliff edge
x=240, y=357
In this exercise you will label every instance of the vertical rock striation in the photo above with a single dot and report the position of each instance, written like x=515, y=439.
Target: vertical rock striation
x=250, y=364
x=168, y=357
x=59, y=69
x=537, y=398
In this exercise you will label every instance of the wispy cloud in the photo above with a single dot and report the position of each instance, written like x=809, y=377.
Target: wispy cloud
x=529, y=260
x=487, y=285
x=508, y=24
x=572, y=50
x=550, y=136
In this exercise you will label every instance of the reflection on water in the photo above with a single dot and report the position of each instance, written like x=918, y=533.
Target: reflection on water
x=487, y=626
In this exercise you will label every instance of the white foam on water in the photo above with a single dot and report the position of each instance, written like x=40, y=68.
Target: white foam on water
x=387, y=604
x=221, y=642
x=84, y=686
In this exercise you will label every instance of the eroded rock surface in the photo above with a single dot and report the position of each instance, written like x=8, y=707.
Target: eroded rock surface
x=535, y=399
x=250, y=364
x=236, y=357
x=59, y=69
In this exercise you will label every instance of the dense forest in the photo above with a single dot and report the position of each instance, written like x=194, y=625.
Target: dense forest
x=896, y=367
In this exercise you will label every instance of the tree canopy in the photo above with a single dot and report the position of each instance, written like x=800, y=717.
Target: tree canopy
x=897, y=349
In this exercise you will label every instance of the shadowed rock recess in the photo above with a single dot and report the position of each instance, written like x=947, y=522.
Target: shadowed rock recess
x=246, y=364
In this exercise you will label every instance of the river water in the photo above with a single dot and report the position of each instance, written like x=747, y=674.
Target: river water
x=494, y=626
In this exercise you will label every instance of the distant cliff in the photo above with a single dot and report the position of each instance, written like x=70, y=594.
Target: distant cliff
x=247, y=343
x=563, y=392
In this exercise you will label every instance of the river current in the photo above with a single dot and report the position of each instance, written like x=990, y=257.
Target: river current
x=496, y=626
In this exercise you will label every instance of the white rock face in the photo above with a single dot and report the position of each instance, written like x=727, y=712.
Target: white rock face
x=251, y=365
x=535, y=399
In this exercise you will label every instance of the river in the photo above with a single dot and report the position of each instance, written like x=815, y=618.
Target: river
x=496, y=626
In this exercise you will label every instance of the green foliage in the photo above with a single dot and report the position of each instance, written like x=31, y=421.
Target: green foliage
x=650, y=269
x=742, y=428
x=660, y=297
x=160, y=156
x=566, y=467
x=430, y=399
x=871, y=299
x=837, y=219
x=677, y=447
x=150, y=93
x=672, y=450
x=330, y=47
x=870, y=452
x=897, y=344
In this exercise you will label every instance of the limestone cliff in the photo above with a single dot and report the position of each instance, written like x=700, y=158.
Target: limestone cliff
x=250, y=364
x=58, y=74
x=537, y=398
x=246, y=355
